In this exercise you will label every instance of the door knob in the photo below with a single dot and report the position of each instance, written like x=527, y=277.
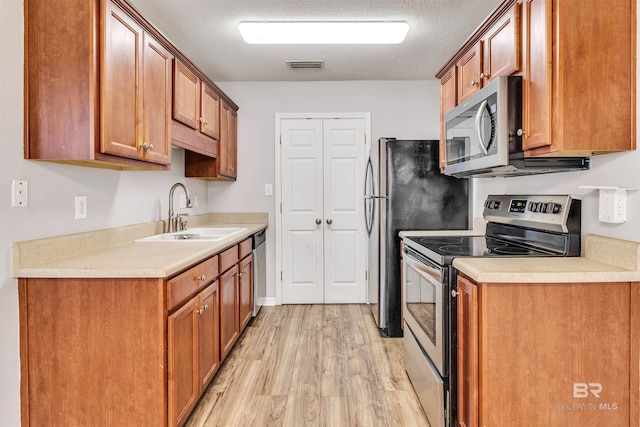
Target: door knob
x=329, y=220
x=318, y=221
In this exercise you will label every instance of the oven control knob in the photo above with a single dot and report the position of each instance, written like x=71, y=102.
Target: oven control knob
x=554, y=208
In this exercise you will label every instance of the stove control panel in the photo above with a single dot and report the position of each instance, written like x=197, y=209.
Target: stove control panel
x=539, y=211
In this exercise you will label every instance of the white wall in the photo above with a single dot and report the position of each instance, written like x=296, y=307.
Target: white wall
x=400, y=109
x=407, y=109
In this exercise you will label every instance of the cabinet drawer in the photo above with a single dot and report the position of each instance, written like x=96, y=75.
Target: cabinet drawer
x=245, y=247
x=185, y=284
x=228, y=258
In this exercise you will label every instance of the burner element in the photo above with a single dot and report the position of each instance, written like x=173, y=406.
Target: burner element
x=441, y=240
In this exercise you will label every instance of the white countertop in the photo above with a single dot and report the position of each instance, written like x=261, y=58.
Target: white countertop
x=112, y=253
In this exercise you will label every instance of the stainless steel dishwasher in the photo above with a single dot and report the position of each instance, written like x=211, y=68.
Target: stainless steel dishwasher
x=259, y=271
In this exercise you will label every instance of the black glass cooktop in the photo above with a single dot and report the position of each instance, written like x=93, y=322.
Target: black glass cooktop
x=443, y=249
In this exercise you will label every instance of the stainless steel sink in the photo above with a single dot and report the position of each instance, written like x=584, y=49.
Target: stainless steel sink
x=211, y=234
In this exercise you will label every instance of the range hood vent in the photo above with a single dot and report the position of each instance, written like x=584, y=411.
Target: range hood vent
x=306, y=65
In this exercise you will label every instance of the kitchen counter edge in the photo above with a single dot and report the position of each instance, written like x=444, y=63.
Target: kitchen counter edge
x=604, y=259
x=112, y=253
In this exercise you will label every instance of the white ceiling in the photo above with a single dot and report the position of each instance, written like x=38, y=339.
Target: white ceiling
x=206, y=31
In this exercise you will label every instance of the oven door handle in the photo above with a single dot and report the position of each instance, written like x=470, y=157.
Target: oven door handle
x=435, y=273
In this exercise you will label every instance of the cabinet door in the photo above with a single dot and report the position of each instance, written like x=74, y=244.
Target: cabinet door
x=228, y=141
x=468, y=356
x=537, y=72
x=120, y=92
x=502, y=46
x=156, y=143
x=186, y=95
x=182, y=341
x=448, y=99
x=210, y=109
x=246, y=290
x=229, y=321
x=469, y=67
x=208, y=334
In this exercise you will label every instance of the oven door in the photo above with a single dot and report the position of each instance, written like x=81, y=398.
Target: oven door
x=424, y=305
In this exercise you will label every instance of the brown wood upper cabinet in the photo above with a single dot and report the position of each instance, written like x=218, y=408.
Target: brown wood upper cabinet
x=468, y=70
x=228, y=142
x=573, y=103
x=196, y=112
x=502, y=46
x=448, y=98
x=560, y=343
x=97, y=86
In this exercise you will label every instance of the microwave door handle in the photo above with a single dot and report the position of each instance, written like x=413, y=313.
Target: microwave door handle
x=478, y=123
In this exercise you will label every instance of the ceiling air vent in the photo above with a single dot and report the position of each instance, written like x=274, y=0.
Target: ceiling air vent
x=306, y=65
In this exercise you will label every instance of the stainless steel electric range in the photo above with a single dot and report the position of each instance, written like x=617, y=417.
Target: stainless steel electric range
x=517, y=226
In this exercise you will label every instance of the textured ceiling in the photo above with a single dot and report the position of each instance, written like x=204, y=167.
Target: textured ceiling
x=207, y=32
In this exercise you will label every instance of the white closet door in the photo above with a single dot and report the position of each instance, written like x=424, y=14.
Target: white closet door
x=344, y=228
x=302, y=207
x=323, y=243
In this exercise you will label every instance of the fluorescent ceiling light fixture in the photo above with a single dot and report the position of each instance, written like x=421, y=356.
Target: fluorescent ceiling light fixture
x=323, y=32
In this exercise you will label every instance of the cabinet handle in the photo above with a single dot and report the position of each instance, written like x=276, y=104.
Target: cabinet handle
x=200, y=311
x=484, y=76
x=201, y=278
x=200, y=119
x=206, y=122
x=474, y=83
x=520, y=132
x=240, y=274
x=206, y=306
x=454, y=293
x=329, y=221
x=318, y=221
x=146, y=146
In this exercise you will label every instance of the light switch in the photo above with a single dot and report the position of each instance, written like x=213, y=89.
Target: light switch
x=268, y=190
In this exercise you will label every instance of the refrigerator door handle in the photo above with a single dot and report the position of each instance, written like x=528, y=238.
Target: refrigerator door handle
x=369, y=214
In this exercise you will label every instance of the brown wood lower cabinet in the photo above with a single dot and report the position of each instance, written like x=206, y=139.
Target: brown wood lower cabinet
x=245, y=290
x=548, y=354
x=229, y=324
x=193, y=352
x=129, y=351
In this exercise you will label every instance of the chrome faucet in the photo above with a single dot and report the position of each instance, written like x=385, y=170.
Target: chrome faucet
x=175, y=223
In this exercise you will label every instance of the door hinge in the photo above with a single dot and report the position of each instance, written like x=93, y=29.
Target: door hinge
x=281, y=278
x=280, y=207
x=280, y=139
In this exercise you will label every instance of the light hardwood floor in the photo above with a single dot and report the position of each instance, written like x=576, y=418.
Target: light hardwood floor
x=312, y=365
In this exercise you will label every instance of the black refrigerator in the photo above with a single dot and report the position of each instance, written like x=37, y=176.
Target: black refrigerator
x=404, y=190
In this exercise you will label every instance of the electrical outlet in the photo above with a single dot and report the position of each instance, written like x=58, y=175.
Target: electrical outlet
x=81, y=207
x=195, y=201
x=183, y=201
x=19, y=193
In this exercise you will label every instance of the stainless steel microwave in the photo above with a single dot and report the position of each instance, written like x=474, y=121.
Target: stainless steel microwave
x=483, y=136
